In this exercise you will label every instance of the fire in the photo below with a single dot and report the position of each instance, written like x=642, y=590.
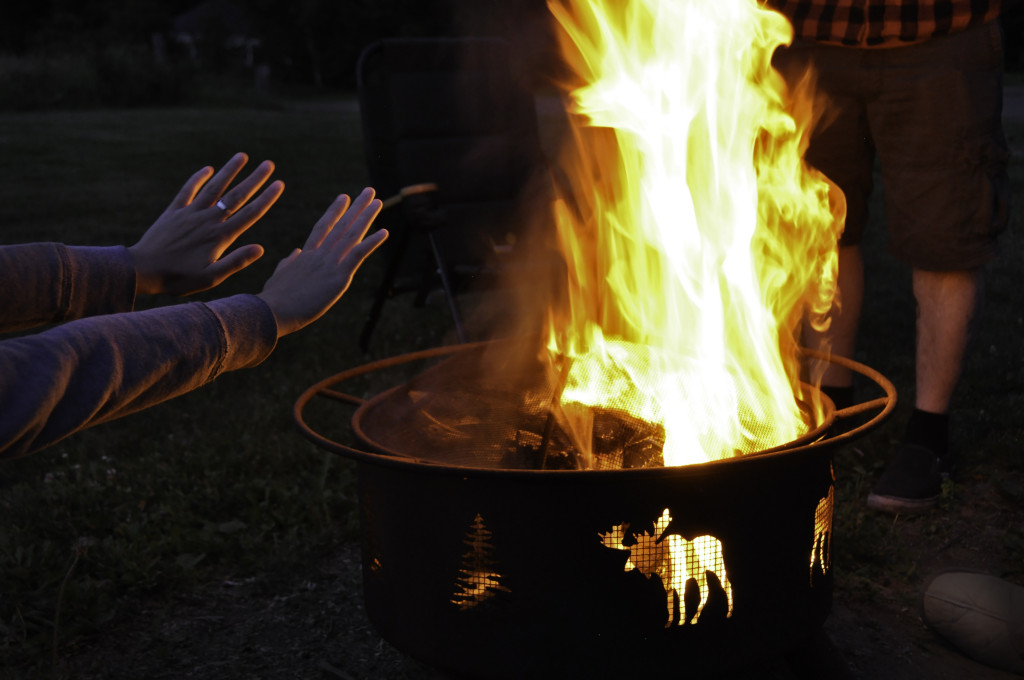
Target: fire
x=696, y=237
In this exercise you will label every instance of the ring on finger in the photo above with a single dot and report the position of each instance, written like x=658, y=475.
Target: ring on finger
x=223, y=206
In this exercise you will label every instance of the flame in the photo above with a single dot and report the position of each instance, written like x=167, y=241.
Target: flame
x=696, y=237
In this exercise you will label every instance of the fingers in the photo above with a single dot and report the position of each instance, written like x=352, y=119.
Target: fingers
x=364, y=248
x=220, y=181
x=234, y=262
x=252, y=212
x=353, y=236
x=326, y=223
x=240, y=194
x=352, y=227
x=353, y=257
x=188, y=191
x=205, y=192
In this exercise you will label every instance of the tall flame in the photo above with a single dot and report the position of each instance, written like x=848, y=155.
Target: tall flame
x=696, y=237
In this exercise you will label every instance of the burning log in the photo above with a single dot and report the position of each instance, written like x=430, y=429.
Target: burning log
x=620, y=441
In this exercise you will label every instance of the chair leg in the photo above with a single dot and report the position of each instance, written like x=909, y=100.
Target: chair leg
x=428, y=279
x=449, y=293
x=384, y=290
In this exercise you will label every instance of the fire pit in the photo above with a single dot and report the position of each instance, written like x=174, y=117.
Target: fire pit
x=648, y=487
x=477, y=562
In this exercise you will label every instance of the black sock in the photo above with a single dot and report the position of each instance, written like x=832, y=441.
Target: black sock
x=930, y=430
x=842, y=397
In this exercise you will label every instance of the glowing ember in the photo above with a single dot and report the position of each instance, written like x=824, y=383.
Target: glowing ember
x=696, y=237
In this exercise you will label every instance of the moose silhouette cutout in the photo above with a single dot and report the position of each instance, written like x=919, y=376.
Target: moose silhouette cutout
x=674, y=560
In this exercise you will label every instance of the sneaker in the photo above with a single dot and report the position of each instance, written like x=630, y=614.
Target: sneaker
x=911, y=483
x=980, y=615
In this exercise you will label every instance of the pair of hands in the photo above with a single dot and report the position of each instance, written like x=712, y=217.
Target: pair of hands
x=183, y=252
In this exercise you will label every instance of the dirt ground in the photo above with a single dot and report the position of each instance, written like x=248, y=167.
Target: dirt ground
x=309, y=621
x=311, y=624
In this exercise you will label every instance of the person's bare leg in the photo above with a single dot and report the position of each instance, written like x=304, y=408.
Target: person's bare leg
x=841, y=336
x=946, y=305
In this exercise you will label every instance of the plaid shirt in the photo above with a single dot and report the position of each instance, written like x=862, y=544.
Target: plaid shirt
x=874, y=23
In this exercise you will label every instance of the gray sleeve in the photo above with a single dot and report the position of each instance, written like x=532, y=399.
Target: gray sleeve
x=96, y=369
x=49, y=282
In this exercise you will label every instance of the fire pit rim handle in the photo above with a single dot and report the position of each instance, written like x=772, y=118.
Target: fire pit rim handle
x=325, y=388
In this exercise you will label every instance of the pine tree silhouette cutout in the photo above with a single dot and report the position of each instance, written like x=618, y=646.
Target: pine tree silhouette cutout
x=478, y=579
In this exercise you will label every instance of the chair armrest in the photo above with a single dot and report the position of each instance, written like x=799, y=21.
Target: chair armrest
x=412, y=191
x=418, y=205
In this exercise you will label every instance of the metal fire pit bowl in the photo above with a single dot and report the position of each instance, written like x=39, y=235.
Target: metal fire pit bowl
x=523, y=573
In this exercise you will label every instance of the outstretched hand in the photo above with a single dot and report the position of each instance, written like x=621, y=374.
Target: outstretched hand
x=183, y=251
x=309, y=281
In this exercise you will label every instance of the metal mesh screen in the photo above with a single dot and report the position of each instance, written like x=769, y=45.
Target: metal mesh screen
x=491, y=407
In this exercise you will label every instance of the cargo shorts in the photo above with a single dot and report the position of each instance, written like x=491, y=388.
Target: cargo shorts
x=931, y=113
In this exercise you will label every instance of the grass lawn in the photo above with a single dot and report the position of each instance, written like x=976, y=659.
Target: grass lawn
x=218, y=486
x=215, y=484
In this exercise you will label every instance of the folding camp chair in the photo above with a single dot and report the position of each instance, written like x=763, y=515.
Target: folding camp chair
x=453, y=148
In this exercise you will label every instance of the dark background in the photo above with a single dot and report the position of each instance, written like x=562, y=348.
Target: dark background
x=129, y=53
x=70, y=54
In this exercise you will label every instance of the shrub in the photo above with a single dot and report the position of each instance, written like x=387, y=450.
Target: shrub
x=117, y=76
x=128, y=75
x=45, y=81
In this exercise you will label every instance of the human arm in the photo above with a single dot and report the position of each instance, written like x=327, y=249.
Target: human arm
x=92, y=370
x=49, y=283
x=181, y=253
